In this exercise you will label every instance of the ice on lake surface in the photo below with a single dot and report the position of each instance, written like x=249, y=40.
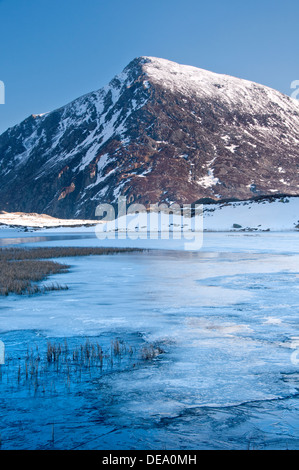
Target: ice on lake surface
x=225, y=321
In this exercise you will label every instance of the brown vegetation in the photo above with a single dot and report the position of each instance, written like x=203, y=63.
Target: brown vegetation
x=20, y=268
x=45, y=368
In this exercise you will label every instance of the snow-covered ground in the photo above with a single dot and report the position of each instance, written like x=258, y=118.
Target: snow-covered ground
x=33, y=220
x=277, y=215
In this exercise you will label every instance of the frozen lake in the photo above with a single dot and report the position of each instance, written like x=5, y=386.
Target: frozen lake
x=226, y=319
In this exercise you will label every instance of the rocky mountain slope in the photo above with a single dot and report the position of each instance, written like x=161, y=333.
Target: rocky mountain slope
x=159, y=132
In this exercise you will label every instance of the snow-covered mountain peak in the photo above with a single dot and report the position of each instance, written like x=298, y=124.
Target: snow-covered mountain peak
x=158, y=132
x=203, y=83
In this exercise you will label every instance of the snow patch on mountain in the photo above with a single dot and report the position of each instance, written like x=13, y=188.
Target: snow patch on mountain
x=209, y=180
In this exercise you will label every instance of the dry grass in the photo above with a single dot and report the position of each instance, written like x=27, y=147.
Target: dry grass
x=21, y=269
x=17, y=254
x=150, y=352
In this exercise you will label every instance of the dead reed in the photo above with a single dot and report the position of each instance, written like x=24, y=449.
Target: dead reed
x=21, y=268
x=52, y=367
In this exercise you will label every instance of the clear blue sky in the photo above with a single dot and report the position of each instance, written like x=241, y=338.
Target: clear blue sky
x=52, y=51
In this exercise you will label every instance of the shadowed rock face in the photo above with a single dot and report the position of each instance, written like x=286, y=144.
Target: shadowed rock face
x=159, y=132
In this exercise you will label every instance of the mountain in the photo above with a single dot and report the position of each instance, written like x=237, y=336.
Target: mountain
x=159, y=132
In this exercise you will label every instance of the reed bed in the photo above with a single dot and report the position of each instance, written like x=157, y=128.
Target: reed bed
x=56, y=367
x=22, y=268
